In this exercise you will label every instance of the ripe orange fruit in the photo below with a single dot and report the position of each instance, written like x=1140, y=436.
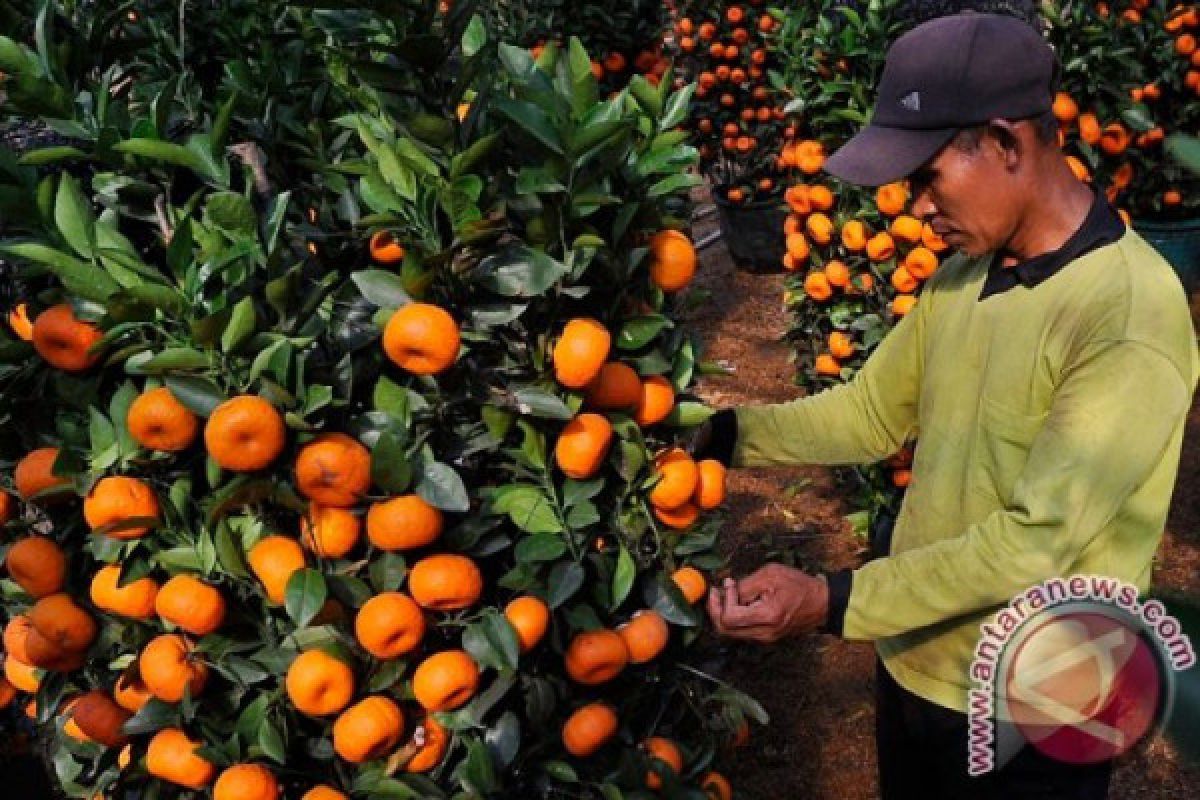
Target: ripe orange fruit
x=645, y=635
x=837, y=274
x=529, y=616
x=691, y=582
x=903, y=281
x=445, y=681
x=1185, y=45
x=819, y=227
x=329, y=532
x=798, y=247
x=679, y=476
x=158, y=421
x=246, y=782
x=595, y=657
x=244, y=434
x=880, y=247
x=821, y=197
x=273, y=560
x=171, y=756
x=826, y=364
x=118, y=498
x=16, y=633
x=134, y=600
x=385, y=249
x=319, y=684
x=99, y=718
x=323, y=792
x=580, y=352
x=816, y=286
x=616, y=387
x=1114, y=139
x=1089, y=128
x=445, y=582
x=656, y=403
x=906, y=229
x=191, y=605
x=931, y=240
x=891, y=199
x=666, y=751
x=24, y=677
x=59, y=619
x=589, y=728
x=64, y=341
x=8, y=505
x=422, y=339
x=678, y=518
x=1065, y=108
x=901, y=477
x=583, y=445
x=716, y=787
x=8, y=693
x=129, y=691
x=168, y=668
x=34, y=475
x=841, y=345
x=902, y=304
x=21, y=324
x=436, y=742
x=389, y=625
x=403, y=523
x=797, y=196
x=710, y=484
x=334, y=470
x=1172, y=197
x=368, y=730
x=854, y=235
x=37, y=564
x=921, y=263
x=1079, y=169
x=672, y=260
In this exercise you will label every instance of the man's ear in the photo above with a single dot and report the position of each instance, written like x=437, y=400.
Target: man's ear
x=1005, y=137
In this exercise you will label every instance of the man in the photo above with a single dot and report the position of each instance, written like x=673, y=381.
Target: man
x=1048, y=367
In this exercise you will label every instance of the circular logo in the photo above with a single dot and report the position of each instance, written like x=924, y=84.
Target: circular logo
x=1083, y=686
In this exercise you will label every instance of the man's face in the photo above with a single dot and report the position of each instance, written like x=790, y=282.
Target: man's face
x=968, y=195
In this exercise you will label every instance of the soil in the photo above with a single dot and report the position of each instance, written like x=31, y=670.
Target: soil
x=819, y=690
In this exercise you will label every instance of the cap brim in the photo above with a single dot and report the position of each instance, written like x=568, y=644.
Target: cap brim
x=877, y=155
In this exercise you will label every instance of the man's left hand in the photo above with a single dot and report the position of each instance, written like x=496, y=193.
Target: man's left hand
x=768, y=605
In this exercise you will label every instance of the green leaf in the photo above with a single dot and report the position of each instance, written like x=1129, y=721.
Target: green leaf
x=528, y=507
x=674, y=184
x=503, y=739
x=86, y=281
x=622, y=578
x=74, y=218
x=50, y=155
x=390, y=469
x=539, y=548
x=306, y=593
x=381, y=288
x=232, y=213
x=539, y=403
x=241, y=325
x=677, y=107
x=492, y=642
x=532, y=120
x=156, y=150
x=199, y=395
x=518, y=271
x=638, y=332
x=173, y=358
x=270, y=740
x=474, y=37
x=387, y=571
x=442, y=487
x=688, y=414
x=153, y=716
x=565, y=580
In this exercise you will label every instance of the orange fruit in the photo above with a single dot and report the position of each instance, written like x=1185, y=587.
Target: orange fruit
x=22, y=676
x=21, y=324
x=422, y=339
x=8, y=693
x=323, y=792
x=1114, y=139
x=580, y=352
x=158, y=421
x=906, y=229
x=921, y=263
x=329, y=532
x=931, y=240
x=191, y=605
x=678, y=518
x=60, y=620
x=385, y=249
x=672, y=260
x=64, y=341
x=902, y=304
x=368, y=730
x=37, y=564
x=1185, y=45
x=1079, y=169
x=99, y=718
x=8, y=505
x=903, y=281
x=589, y=728
x=816, y=286
x=666, y=751
x=797, y=199
x=116, y=499
x=129, y=691
x=855, y=235
x=820, y=228
x=616, y=387
x=334, y=470
x=16, y=633
x=433, y=750
x=134, y=600
x=645, y=635
x=583, y=445
x=837, y=274
x=319, y=684
x=246, y=782
x=171, y=756
x=901, y=477
x=403, y=523
x=678, y=478
x=595, y=657
x=716, y=787
x=168, y=668
x=244, y=434
x=1065, y=109
x=826, y=364
x=34, y=474
x=1172, y=197
x=1089, y=128
x=841, y=345
x=798, y=247
x=530, y=617
x=445, y=582
x=273, y=560
x=389, y=625
x=891, y=199
x=710, y=484
x=445, y=681
x=691, y=582
x=656, y=403
x=880, y=247
x=821, y=197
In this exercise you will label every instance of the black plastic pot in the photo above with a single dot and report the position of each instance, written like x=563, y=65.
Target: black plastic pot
x=1179, y=243
x=754, y=234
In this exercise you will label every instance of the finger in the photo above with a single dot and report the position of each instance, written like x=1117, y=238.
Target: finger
x=757, y=613
x=716, y=609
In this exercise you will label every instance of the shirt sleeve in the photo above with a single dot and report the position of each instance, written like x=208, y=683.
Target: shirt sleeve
x=1110, y=424
x=863, y=420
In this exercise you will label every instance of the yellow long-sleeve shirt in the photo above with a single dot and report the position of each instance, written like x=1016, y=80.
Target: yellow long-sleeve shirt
x=1050, y=420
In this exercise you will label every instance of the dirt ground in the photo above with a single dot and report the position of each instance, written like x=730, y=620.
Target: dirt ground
x=819, y=691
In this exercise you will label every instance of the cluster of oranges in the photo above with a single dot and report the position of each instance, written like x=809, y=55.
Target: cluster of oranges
x=649, y=62
x=737, y=120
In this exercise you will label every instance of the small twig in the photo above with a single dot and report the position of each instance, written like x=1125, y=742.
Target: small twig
x=164, y=224
x=252, y=156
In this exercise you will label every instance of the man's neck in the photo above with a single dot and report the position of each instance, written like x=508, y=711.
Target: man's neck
x=1051, y=218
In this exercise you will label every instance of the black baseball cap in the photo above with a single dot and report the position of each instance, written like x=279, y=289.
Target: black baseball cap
x=944, y=75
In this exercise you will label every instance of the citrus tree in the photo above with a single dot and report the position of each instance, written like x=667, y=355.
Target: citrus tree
x=336, y=440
